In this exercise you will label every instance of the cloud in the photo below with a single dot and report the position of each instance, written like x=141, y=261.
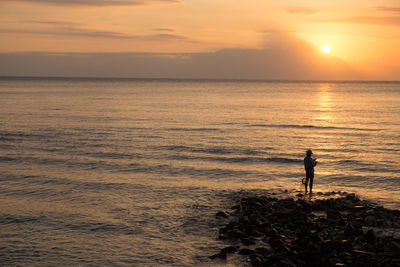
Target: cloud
x=373, y=20
x=384, y=20
x=70, y=31
x=388, y=9
x=77, y=29
x=283, y=58
x=53, y=22
x=165, y=30
x=169, y=36
x=300, y=10
x=101, y=2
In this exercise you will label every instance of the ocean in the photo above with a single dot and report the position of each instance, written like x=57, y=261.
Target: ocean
x=132, y=171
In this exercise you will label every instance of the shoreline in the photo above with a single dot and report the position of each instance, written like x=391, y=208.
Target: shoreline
x=333, y=229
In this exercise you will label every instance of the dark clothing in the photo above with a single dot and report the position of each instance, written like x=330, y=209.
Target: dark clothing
x=310, y=174
x=309, y=164
x=310, y=177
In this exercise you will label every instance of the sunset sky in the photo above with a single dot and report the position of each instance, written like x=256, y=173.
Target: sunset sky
x=202, y=38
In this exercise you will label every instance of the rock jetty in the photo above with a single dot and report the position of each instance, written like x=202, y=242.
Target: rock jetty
x=343, y=231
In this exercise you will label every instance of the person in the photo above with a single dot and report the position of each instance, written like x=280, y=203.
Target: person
x=309, y=164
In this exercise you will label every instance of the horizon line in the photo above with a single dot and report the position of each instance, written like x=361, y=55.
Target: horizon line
x=192, y=79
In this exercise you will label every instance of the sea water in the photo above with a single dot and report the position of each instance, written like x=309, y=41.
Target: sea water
x=131, y=172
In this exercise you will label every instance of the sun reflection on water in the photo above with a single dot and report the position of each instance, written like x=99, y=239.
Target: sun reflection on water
x=324, y=105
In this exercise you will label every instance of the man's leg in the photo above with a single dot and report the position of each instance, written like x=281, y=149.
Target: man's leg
x=311, y=182
x=306, y=183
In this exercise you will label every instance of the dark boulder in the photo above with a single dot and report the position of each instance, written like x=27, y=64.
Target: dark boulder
x=246, y=251
x=221, y=214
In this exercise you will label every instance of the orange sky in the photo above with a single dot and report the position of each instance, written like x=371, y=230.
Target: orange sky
x=363, y=33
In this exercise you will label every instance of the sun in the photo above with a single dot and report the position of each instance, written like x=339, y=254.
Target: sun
x=326, y=48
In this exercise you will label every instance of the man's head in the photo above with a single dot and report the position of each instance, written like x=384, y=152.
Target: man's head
x=309, y=152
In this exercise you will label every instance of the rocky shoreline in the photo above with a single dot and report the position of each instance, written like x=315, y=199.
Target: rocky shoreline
x=342, y=231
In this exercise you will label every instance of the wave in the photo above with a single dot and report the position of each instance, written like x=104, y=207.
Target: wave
x=216, y=150
x=184, y=129
x=14, y=219
x=133, y=167
x=75, y=224
x=112, y=155
x=14, y=136
x=298, y=126
x=364, y=167
x=238, y=159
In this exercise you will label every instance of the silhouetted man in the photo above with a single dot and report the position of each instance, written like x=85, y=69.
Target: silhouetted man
x=309, y=164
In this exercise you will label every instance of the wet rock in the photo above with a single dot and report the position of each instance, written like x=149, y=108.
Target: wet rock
x=264, y=250
x=221, y=255
x=221, y=214
x=230, y=249
x=333, y=215
x=246, y=251
x=353, y=198
x=396, y=248
x=316, y=238
x=347, y=245
x=286, y=263
x=236, y=207
x=256, y=259
x=370, y=220
x=283, y=211
x=276, y=243
x=247, y=241
x=256, y=233
x=370, y=235
x=273, y=233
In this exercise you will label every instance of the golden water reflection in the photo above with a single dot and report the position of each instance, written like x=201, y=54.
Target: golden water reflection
x=324, y=104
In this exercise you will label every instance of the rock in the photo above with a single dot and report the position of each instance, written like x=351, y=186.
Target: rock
x=256, y=233
x=223, y=253
x=370, y=220
x=273, y=233
x=256, y=259
x=283, y=212
x=353, y=198
x=347, y=245
x=335, y=262
x=370, y=235
x=316, y=237
x=230, y=249
x=333, y=215
x=275, y=242
x=286, y=263
x=247, y=241
x=264, y=250
x=396, y=248
x=331, y=245
x=246, y=251
x=223, y=230
x=236, y=234
x=221, y=214
x=379, y=233
x=359, y=207
x=236, y=207
x=220, y=255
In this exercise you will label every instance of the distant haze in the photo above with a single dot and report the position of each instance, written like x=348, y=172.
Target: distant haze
x=283, y=57
x=253, y=39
